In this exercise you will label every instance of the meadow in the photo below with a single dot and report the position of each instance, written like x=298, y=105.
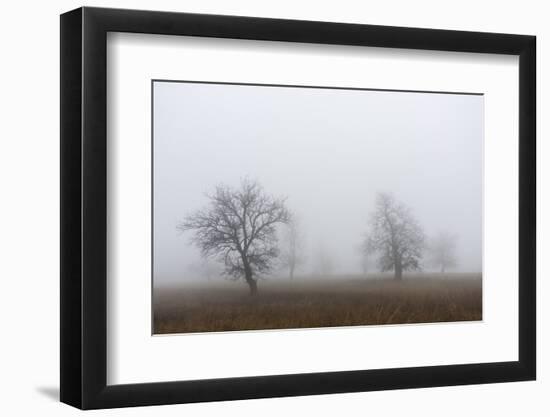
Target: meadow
x=307, y=302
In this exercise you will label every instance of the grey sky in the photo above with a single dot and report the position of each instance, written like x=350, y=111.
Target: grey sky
x=328, y=151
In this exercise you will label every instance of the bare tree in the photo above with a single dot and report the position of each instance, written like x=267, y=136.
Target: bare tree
x=442, y=248
x=239, y=228
x=395, y=235
x=292, y=255
x=323, y=262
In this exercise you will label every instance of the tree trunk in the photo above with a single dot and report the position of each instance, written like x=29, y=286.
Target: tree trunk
x=442, y=269
x=253, y=285
x=291, y=273
x=398, y=271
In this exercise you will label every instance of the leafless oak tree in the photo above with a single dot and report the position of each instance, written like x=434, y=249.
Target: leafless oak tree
x=395, y=235
x=239, y=228
x=292, y=254
x=442, y=249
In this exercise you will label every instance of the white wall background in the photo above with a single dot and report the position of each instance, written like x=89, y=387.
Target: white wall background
x=29, y=237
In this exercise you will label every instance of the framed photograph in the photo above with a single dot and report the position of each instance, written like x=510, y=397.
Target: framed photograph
x=257, y=208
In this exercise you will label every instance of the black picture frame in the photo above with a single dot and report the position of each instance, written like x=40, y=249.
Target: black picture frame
x=84, y=207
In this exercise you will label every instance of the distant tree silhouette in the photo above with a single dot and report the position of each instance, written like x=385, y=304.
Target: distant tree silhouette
x=238, y=227
x=323, y=262
x=204, y=268
x=442, y=248
x=395, y=236
x=292, y=254
x=365, y=255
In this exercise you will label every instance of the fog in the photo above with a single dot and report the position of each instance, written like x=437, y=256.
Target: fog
x=329, y=152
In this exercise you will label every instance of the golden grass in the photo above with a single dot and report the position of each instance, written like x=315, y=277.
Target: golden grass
x=307, y=303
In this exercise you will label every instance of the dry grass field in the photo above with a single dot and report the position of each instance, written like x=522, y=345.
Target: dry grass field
x=306, y=303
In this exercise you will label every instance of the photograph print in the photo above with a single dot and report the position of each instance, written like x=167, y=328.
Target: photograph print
x=292, y=207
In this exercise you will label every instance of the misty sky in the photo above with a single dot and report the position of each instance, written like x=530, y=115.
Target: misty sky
x=329, y=152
